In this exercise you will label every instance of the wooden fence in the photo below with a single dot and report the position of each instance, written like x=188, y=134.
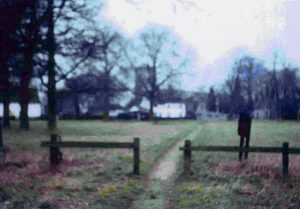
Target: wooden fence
x=55, y=143
x=285, y=150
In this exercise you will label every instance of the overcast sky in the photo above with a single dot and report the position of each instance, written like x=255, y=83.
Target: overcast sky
x=216, y=31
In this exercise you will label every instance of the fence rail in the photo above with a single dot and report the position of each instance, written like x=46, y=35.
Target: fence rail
x=56, y=156
x=89, y=144
x=285, y=150
x=237, y=149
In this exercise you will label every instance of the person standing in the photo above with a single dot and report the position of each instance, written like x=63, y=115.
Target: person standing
x=244, y=128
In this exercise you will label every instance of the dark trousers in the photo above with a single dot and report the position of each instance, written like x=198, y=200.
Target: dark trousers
x=246, y=147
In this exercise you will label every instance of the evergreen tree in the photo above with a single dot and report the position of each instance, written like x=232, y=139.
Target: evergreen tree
x=211, y=101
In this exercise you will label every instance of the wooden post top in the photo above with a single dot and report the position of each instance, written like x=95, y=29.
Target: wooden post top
x=188, y=142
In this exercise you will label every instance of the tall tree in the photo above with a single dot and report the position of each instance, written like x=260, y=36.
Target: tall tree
x=107, y=56
x=211, y=100
x=51, y=47
x=10, y=13
x=250, y=69
x=246, y=70
x=230, y=92
x=275, y=100
x=28, y=33
x=288, y=83
x=64, y=21
x=158, y=63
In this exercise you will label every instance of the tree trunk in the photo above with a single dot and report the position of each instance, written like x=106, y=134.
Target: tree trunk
x=277, y=104
x=106, y=105
x=5, y=88
x=24, y=89
x=76, y=105
x=250, y=89
x=24, y=119
x=51, y=68
x=4, y=76
x=153, y=81
x=30, y=42
x=151, y=113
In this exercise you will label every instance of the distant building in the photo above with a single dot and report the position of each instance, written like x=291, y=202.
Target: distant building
x=136, y=115
x=34, y=106
x=203, y=114
x=137, y=109
x=262, y=113
x=72, y=104
x=170, y=110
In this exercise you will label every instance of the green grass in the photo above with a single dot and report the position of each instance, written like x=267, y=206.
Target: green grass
x=108, y=185
x=105, y=179
x=219, y=181
x=28, y=140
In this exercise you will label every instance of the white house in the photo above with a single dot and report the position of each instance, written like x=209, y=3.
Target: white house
x=34, y=110
x=170, y=110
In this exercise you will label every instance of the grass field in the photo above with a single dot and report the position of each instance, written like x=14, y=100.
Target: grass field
x=98, y=178
x=220, y=181
x=87, y=178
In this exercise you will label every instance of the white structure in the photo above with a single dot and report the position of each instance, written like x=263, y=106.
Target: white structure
x=170, y=110
x=203, y=114
x=144, y=106
x=115, y=113
x=262, y=113
x=34, y=110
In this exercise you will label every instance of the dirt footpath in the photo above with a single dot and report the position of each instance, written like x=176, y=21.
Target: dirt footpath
x=161, y=177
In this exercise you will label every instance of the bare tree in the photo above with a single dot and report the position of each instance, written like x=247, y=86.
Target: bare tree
x=273, y=87
x=250, y=69
x=107, y=58
x=230, y=91
x=158, y=63
x=63, y=18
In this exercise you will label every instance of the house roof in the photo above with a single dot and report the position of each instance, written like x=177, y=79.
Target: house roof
x=14, y=95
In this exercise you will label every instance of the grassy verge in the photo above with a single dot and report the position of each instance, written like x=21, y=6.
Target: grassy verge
x=219, y=181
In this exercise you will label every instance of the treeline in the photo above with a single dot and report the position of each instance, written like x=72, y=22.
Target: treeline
x=43, y=43
x=273, y=91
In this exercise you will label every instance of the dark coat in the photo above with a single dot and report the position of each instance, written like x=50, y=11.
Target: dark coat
x=244, y=125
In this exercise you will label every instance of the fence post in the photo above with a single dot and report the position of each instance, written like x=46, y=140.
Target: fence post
x=55, y=154
x=187, y=157
x=136, y=156
x=285, y=159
